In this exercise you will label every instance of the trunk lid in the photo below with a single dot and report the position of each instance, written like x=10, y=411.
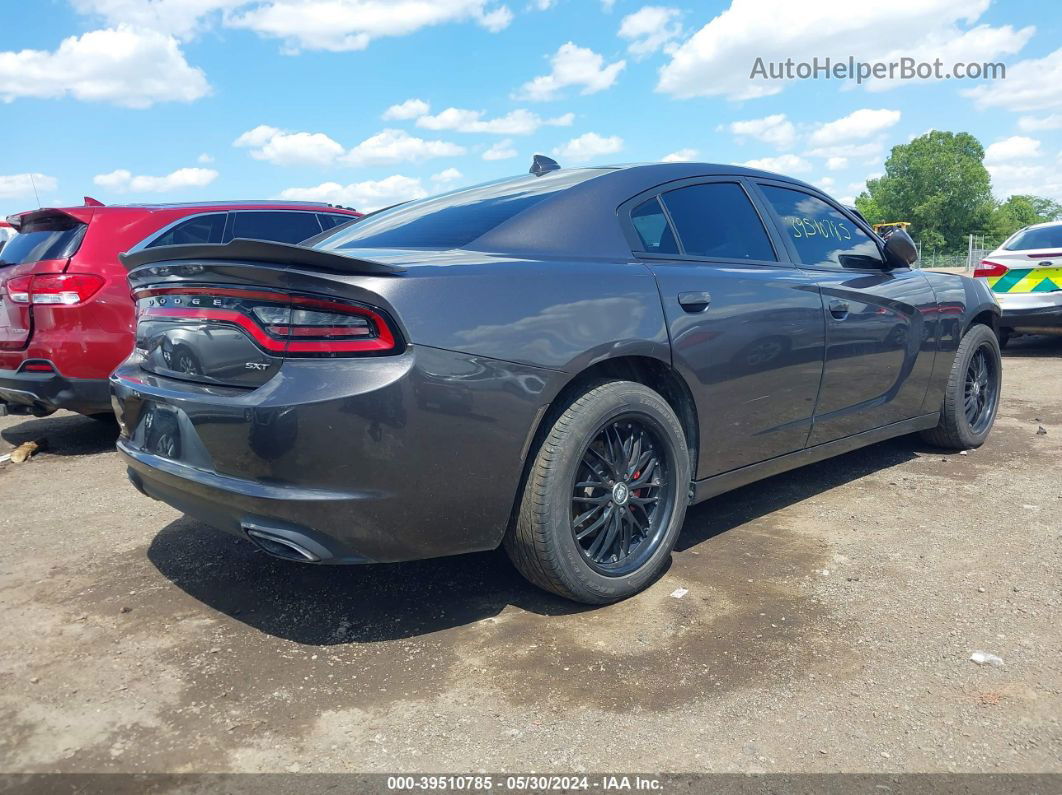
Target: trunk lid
x=228, y=315
x=1028, y=271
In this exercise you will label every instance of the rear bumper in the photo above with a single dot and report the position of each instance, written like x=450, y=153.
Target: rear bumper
x=353, y=460
x=43, y=393
x=1046, y=316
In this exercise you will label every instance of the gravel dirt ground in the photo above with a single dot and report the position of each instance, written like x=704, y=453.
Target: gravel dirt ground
x=828, y=625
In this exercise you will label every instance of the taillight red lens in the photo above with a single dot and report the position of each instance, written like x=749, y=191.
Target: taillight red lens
x=65, y=289
x=989, y=268
x=56, y=289
x=281, y=323
x=18, y=289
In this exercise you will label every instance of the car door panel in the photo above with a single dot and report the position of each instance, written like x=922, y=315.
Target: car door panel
x=753, y=358
x=879, y=356
x=880, y=338
x=746, y=335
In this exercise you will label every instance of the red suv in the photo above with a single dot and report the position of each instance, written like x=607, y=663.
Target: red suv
x=66, y=317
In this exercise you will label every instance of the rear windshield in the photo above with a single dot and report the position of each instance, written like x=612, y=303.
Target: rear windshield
x=455, y=219
x=1037, y=237
x=52, y=238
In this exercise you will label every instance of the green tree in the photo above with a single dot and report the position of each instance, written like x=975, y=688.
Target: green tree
x=1019, y=211
x=939, y=183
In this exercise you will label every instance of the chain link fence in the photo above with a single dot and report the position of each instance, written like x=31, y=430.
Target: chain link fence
x=978, y=247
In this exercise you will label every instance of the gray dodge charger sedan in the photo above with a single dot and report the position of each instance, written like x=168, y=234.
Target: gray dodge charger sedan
x=559, y=363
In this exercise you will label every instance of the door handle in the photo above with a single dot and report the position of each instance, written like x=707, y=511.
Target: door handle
x=839, y=309
x=695, y=302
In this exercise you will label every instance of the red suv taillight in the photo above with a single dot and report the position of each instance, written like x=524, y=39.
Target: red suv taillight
x=55, y=289
x=989, y=268
x=280, y=323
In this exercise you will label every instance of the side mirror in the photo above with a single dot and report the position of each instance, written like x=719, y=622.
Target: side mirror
x=900, y=250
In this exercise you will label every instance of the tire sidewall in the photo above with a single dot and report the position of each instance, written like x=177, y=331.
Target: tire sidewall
x=654, y=411
x=975, y=338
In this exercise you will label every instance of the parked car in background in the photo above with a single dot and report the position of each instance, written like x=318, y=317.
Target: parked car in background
x=559, y=363
x=66, y=317
x=1025, y=273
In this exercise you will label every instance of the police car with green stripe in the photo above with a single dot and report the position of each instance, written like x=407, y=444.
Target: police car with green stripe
x=1025, y=274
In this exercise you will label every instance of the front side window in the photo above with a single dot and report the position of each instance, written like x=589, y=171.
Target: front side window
x=822, y=235
x=200, y=229
x=716, y=220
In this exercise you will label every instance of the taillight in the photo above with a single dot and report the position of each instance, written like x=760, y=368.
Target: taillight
x=989, y=268
x=56, y=289
x=280, y=323
x=18, y=289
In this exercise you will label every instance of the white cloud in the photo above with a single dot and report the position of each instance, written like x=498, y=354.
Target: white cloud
x=18, y=186
x=517, y=122
x=836, y=163
x=718, y=59
x=588, y=146
x=1024, y=177
x=289, y=149
x=398, y=146
x=869, y=149
x=124, y=181
x=680, y=156
x=181, y=18
x=365, y=196
x=205, y=159
x=1017, y=147
x=650, y=29
x=1039, y=123
x=124, y=66
x=409, y=109
x=782, y=164
x=862, y=123
x=1031, y=85
x=502, y=150
x=342, y=25
x=572, y=66
x=446, y=176
x=776, y=130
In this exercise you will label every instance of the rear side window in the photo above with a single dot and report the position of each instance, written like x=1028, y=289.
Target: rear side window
x=49, y=238
x=822, y=235
x=455, y=219
x=329, y=220
x=1042, y=237
x=653, y=228
x=200, y=229
x=717, y=220
x=277, y=225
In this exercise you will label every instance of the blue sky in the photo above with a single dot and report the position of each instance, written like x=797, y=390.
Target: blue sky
x=171, y=100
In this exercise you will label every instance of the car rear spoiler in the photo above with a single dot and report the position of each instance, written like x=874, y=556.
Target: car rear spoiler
x=247, y=250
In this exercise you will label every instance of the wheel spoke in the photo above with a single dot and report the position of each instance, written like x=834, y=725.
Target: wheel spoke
x=578, y=520
x=601, y=500
x=647, y=473
x=604, y=539
x=596, y=526
x=625, y=534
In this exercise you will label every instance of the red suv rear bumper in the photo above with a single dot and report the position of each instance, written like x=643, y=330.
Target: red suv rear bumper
x=42, y=393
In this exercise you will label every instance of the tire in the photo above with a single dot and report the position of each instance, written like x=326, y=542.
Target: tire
x=542, y=541
x=955, y=430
